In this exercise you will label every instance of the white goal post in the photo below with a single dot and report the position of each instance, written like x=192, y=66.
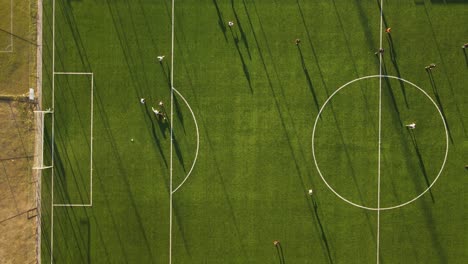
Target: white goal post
x=39, y=119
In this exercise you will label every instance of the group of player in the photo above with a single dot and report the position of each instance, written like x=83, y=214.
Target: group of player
x=159, y=113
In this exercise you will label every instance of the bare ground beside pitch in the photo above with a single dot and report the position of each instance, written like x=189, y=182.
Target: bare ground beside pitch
x=17, y=184
x=18, y=221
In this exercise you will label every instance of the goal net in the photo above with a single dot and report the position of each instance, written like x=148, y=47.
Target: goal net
x=39, y=117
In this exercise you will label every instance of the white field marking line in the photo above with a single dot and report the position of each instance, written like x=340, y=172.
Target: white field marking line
x=91, y=141
x=39, y=99
x=172, y=136
x=42, y=168
x=10, y=47
x=73, y=205
x=198, y=141
x=52, y=139
x=73, y=73
x=380, y=134
x=409, y=201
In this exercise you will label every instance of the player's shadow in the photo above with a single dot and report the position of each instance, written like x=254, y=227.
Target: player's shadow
x=221, y=22
x=279, y=251
x=115, y=156
x=178, y=218
x=439, y=102
x=178, y=151
x=466, y=56
x=393, y=58
x=151, y=117
x=241, y=29
x=178, y=111
x=421, y=161
x=388, y=88
x=309, y=80
x=166, y=74
x=244, y=65
x=322, y=231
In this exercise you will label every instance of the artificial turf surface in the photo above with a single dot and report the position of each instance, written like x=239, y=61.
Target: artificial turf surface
x=256, y=96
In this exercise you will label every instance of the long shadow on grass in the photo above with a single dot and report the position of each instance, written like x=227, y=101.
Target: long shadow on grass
x=67, y=228
x=393, y=58
x=141, y=85
x=282, y=117
x=232, y=214
x=241, y=29
x=344, y=34
x=322, y=231
x=178, y=111
x=141, y=53
x=225, y=192
x=365, y=23
x=439, y=102
x=466, y=57
x=123, y=173
x=309, y=81
x=166, y=74
x=181, y=229
x=421, y=162
x=444, y=69
x=178, y=151
x=154, y=134
x=396, y=113
x=148, y=24
x=85, y=62
x=383, y=14
x=68, y=150
x=62, y=175
x=244, y=65
x=279, y=251
x=322, y=78
x=118, y=25
x=61, y=191
x=431, y=227
x=221, y=22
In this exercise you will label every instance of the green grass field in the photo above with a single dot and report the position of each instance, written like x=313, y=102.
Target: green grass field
x=255, y=96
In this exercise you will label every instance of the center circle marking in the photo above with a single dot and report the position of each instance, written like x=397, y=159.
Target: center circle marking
x=390, y=207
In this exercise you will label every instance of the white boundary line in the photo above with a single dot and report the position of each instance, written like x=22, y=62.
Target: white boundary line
x=198, y=141
x=10, y=50
x=39, y=99
x=73, y=205
x=172, y=136
x=73, y=73
x=380, y=134
x=409, y=201
x=52, y=139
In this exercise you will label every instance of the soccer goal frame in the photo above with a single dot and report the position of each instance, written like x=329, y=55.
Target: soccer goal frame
x=39, y=119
